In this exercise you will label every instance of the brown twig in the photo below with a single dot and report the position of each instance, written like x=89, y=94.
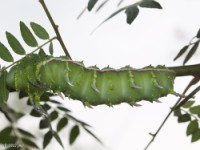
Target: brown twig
x=191, y=95
x=189, y=70
x=55, y=27
x=162, y=124
x=192, y=82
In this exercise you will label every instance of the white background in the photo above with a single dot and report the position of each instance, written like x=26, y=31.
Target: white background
x=155, y=37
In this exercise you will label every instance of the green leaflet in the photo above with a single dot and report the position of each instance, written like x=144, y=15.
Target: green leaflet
x=132, y=13
x=91, y=4
x=27, y=35
x=150, y=4
x=92, y=86
x=39, y=31
x=5, y=53
x=15, y=44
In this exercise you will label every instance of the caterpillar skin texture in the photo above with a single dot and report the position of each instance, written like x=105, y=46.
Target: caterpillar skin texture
x=92, y=86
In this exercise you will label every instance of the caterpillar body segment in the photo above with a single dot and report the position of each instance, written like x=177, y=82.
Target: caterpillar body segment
x=92, y=86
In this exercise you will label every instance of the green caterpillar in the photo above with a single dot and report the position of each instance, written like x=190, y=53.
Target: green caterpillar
x=92, y=86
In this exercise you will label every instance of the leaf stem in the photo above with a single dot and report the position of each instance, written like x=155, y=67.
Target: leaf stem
x=55, y=27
